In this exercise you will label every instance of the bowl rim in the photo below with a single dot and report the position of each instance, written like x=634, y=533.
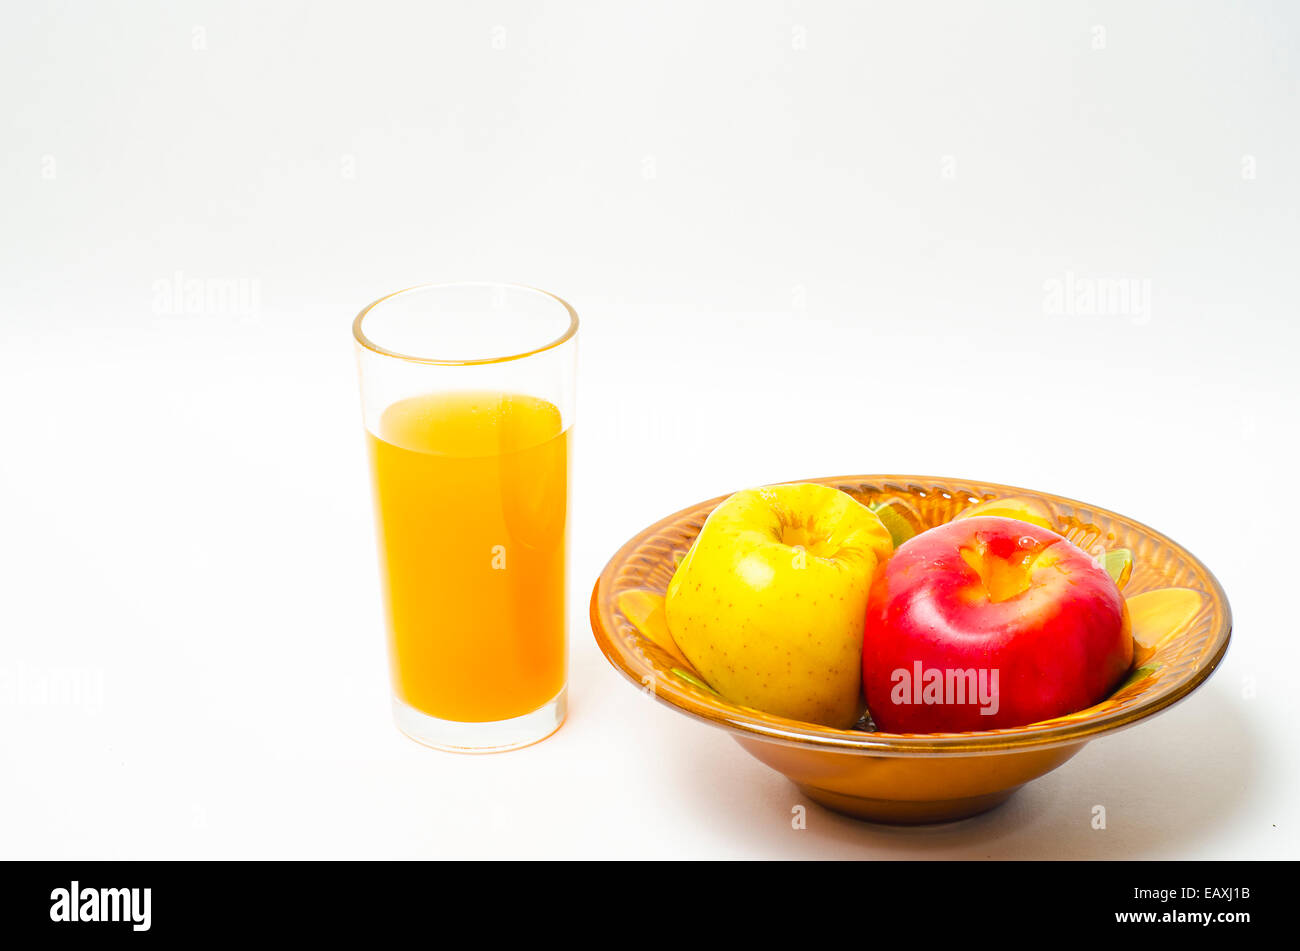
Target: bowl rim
x=746, y=722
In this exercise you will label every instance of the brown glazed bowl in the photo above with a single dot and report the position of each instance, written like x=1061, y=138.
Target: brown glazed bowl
x=1177, y=607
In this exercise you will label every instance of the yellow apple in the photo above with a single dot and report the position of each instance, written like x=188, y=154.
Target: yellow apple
x=770, y=602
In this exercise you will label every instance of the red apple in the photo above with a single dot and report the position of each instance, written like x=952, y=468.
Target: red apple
x=990, y=622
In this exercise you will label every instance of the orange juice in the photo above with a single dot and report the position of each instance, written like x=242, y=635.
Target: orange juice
x=470, y=492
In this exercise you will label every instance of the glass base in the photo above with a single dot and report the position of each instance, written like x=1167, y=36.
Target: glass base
x=496, y=736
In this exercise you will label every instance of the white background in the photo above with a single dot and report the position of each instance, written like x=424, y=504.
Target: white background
x=804, y=239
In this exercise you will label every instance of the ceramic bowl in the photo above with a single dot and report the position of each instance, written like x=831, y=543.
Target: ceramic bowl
x=1177, y=607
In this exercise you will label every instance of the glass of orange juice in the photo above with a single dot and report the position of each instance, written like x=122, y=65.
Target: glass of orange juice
x=467, y=393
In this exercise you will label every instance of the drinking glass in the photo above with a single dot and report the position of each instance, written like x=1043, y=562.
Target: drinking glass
x=467, y=394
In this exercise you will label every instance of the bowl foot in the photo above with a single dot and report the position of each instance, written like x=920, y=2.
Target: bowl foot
x=904, y=812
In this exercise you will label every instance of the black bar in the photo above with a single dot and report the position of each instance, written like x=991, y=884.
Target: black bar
x=335, y=899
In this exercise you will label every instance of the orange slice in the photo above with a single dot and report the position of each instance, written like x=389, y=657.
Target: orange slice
x=1024, y=509
x=1157, y=616
x=645, y=611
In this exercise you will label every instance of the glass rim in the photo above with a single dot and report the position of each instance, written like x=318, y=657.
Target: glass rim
x=359, y=334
